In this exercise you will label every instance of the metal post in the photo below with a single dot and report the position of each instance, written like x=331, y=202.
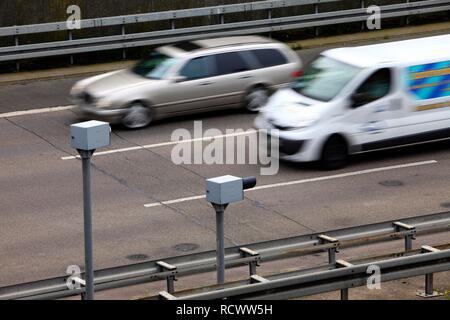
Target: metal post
x=220, y=209
x=332, y=255
x=269, y=16
x=170, y=284
x=252, y=268
x=16, y=42
x=362, y=23
x=71, y=38
x=429, y=291
x=87, y=209
x=407, y=18
x=408, y=243
x=316, y=10
x=124, y=53
x=344, y=294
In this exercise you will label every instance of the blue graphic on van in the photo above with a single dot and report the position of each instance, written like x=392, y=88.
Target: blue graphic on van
x=430, y=81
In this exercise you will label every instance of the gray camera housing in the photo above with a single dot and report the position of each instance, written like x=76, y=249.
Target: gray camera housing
x=90, y=135
x=224, y=190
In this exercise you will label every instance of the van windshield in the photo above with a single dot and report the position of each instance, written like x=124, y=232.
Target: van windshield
x=154, y=66
x=324, y=78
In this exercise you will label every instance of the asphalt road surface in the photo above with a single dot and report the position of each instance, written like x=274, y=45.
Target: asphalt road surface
x=41, y=196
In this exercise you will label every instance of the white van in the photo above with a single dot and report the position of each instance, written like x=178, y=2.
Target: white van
x=361, y=99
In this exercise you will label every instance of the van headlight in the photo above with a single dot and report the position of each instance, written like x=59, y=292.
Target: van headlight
x=305, y=123
x=77, y=89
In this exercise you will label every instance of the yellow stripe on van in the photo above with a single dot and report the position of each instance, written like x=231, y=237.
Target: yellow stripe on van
x=431, y=73
x=433, y=106
x=428, y=85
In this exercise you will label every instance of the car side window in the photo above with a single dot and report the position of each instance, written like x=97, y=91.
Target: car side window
x=231, y=62
x=375, y=87
x=269, y=57
x=198, y=68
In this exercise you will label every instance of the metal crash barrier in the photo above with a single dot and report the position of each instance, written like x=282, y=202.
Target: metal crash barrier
x=426, y=262
x=262, y=25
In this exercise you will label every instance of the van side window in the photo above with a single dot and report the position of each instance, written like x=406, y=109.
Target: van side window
x=231, y=62
x=198, y=68
x=375, y=87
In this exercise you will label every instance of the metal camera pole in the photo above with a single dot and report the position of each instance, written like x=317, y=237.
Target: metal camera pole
x=86, y=137
x=87, y=212
x=220, y=239
x=220, y=192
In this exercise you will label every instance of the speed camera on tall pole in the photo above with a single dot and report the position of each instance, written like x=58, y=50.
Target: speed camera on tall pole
x=86, y=137
x=220, y=192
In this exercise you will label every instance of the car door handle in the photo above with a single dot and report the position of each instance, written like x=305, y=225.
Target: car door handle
x=206, y=83
x=247, y=76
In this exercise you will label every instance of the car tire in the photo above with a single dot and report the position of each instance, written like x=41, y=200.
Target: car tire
x=256, y=98
x=334, y=154
x=138, y=116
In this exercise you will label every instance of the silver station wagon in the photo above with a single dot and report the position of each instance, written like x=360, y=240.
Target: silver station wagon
x=189, y=77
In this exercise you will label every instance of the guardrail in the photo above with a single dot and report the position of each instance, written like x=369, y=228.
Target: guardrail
x=267, y=25
x=251, y=255
x=346, y=275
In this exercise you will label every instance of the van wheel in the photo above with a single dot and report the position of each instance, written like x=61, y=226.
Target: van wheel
x=137, y=116
x=334, y=154
x=256, y=99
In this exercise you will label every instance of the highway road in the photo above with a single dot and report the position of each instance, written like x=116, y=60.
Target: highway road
x=41, y=195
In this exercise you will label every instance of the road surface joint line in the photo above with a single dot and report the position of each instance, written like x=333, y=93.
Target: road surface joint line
x=164, y=144
x=295, y=182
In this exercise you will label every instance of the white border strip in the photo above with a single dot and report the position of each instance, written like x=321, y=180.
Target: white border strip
x=164, y=144
x=295, y=182
x=34, y=111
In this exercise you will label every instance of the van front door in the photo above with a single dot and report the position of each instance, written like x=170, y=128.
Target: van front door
x=375, y=104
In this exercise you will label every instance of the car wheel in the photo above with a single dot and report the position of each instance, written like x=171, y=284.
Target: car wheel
x=334, y=154
x=137, y=116
x=256, y=99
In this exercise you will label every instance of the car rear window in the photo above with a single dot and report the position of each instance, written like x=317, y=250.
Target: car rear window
x=269, y=57
x=231, y=62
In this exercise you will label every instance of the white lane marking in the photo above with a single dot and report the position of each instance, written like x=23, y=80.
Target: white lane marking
x=34, y=111
x=295, y=182
x=164, y=144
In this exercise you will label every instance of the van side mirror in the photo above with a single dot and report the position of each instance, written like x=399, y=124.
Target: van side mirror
x=359, y=99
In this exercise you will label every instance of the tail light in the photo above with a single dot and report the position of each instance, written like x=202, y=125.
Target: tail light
x=297, y=74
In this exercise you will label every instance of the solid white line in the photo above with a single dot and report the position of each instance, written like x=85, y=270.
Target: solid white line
x=295, y=182
x=164, y=144
x=34, y=111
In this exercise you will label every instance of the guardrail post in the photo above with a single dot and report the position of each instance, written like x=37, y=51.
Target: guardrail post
x=331, y=251
x=170, y=279
x=269, y=17
x=343, y=264
x=16, y=43
x=70, y=39
x=400, y=226
x=407, y=17
x=362, y=23
x=429, y=285
x=124, y=52
x=316, y=11
x=252, y=264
